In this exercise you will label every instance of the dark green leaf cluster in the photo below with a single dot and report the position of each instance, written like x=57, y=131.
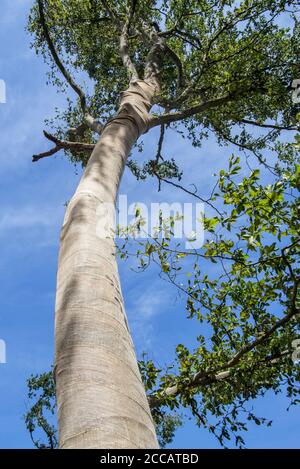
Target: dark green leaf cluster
x=41, y=394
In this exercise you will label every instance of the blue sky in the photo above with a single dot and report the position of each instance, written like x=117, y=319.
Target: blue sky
x=32, y=207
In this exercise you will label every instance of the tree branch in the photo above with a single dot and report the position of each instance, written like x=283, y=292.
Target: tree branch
x=159, y=44
x=153, y=62
x=204, y=378
x=90, y=121
x=176, y=116
x=127, y=62
x=269, y=126
x=246, y=147
x=63, y=144
x=194, y=41
x=45, y=154
x=160, y=144
x=174, y=57
x=194, y=194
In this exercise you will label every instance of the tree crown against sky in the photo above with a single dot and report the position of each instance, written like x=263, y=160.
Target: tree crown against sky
x=224, y=68
x=225, y=63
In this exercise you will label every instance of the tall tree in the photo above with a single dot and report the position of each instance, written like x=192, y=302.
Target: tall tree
x=224, y=67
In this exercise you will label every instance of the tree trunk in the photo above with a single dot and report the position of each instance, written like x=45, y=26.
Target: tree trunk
x=101, y=400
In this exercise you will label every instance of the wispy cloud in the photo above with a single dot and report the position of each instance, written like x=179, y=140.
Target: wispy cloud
x=27, y=217
x=29, y=229
x=144, y=305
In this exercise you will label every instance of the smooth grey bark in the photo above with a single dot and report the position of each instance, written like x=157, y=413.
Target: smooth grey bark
x=101, y=400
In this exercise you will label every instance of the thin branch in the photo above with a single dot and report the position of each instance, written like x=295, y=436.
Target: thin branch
x=63, y=144
x=45, y=154
x=82, y=98
x=194, y=194
x=194, y=41
x=174, y=57
x=245, y=147
x=57, y=60
x=176, y=116
x=263, y=337
x=158, y=153
x=269, y=126
x=160, y=144
x=283, y=251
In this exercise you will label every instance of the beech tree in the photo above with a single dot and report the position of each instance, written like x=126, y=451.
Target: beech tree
x=221, y=68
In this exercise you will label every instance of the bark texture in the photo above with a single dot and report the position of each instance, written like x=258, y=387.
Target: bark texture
x=100, y=396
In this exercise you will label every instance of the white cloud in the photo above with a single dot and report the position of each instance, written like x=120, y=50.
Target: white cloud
x=151, y=303
x=143, y=304
x=25, y=217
